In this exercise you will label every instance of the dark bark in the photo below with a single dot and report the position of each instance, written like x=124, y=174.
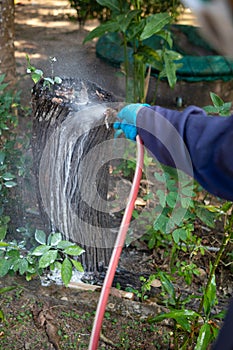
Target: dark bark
x=7, y=58
x=67, y=126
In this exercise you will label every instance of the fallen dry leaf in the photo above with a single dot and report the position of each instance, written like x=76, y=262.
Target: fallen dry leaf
x=42, y=318
x=156, y=283
x=51, y=331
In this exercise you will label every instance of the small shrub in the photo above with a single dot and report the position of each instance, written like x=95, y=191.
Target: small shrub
x=52, y=252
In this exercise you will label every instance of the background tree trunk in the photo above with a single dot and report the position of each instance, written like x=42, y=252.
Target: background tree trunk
x=69, y=132
x=7, y=58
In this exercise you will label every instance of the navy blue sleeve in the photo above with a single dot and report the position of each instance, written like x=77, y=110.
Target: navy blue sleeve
x=200, y=145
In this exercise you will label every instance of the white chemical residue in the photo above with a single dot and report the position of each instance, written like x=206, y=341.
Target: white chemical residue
x=54, y=277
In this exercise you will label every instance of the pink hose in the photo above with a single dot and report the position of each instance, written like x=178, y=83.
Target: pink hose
x=120, y=240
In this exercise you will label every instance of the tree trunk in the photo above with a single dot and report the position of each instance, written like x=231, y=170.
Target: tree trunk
x=7, y=58
x=71, y=154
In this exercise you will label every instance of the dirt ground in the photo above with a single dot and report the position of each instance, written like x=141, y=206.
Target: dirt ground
x=55, y=317
x=43, y=30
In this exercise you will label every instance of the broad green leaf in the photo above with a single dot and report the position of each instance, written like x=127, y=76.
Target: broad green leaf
x=226, y=206
x=48, y=80
x=56, y=238
x=66, y=271
x=210, y=109
x=77, y=265
x=2, y=77
x=177, y=215
x=167, y=285
x=57, y=265
x=217, y=101
x=39, y=72
x=160, y=178
x=4, y=126
x=161, y=223
x=111, y=4
x=179, y=234
x=57, y=80
x=206, y=216
x=110, y=26
x=211, y=208
x=6, y=289
x=135, y=30
x=227, y=105
x=3, y=86
x=5, y=219
x=204, y=337
x=4, y=244
x=155, y=24
x=173, y=55
x=74, y=250
x=10, y=184
x=167, y=36
x=5, y=266
x=176, y=315
x=23, y=266
x=147, y=55
x=13, y=253
x=35, y=77
x=162, y=198
x=171, y=199
x=48, y=258
x=210, y=297
x=188, y=191
x=184, y=323
x=31, y=270
x=125, y=19
x=7, y=176
x=183, y=234
x=40, y=236
x=64, y=244
x=225, y=110
x=170, y=68
x=49, y=239
x=3, y=231
x=41, y=250
x=29, y=276
x=15, y=264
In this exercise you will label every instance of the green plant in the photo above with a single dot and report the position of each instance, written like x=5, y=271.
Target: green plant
x=38, y=74
x=187, y=270
x=196, y=328
x=172, y=221
x=8, y=123
x=5, y=290
x=53, y=252
x=134, y=28
x=145, y=287
x=186, y=330
x=219, y=106
x=89, y=9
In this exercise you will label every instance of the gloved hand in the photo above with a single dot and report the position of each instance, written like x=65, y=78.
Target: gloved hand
x=128, y=116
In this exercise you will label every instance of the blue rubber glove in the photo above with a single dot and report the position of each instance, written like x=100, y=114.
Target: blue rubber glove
x=128, y=116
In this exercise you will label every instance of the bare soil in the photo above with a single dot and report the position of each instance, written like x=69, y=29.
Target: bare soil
x=55, y=317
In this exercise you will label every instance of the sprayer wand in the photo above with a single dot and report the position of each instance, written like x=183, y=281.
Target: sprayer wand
x=120, y=240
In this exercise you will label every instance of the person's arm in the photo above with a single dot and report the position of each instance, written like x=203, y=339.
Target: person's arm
x=191, y=141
